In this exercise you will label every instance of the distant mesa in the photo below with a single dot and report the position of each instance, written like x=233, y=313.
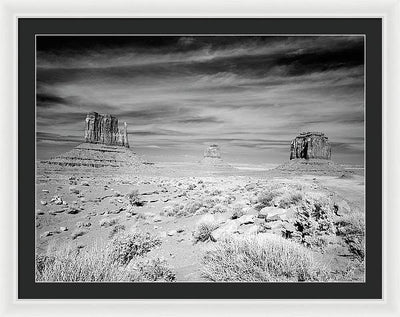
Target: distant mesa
x=212, y=157
x=212, y=151
x=310, y=152
x=310, y=145
x=104, y=129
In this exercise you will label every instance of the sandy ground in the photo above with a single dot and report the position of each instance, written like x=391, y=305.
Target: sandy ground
x=82, y=197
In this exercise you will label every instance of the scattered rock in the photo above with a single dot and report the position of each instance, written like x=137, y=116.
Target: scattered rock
x=271, y=213
x=78, y=233
x=81, y=224
x=46, y=234
x=157, y=219
x=57, y=211
x=246, y=219
x=57, y=200
x=73, y=190
x=226, y=230
x=249, y=230
x=341, y=207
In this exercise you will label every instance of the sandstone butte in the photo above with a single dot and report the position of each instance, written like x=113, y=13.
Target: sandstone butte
x=310, y=145
x=104, y=129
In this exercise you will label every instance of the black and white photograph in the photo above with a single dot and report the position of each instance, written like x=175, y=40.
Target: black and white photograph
x=200, y=158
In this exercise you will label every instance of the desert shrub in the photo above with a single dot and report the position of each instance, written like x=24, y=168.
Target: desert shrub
x=151, y=270
x=352, y=223
x=78, y=233
x=115, y=230
x=43, y=261
x=96, y=265
x=219, y=208
x=238, y=212
x=352, y=228
x=127, y=245
x=140, y=216
x=108, y=222
x=292, y=199
x=216, y=192
x=265, y=199
x=353, y=271
x=210, y=202
x=316, y=215
x=134, y=198
x=206, y=225
x=261, y=258
x=66, y=266
x=192, y=207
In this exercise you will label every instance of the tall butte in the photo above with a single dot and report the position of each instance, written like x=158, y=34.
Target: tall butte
x=310, y=145
x=310, y=152
x=105, y=145
x=104, y=129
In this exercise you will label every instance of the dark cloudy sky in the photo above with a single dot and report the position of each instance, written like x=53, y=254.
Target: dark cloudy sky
x=251, y=95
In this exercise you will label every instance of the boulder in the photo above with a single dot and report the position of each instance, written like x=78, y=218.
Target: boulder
x=226, y=230
x=249, y=230
x=171, y=233
x=73, y=190
x=245, y=220
x=271, y=213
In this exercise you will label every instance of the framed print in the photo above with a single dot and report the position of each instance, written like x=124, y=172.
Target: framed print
x=200, y=158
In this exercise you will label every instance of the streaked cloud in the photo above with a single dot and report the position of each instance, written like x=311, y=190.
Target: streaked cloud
x=252, y=95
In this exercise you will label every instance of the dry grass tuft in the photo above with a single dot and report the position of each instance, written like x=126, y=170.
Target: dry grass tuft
x=206, y=225
x=108, y=222
x=261, y=258
x=127, y=245
x=119, y=261
x=134, y=198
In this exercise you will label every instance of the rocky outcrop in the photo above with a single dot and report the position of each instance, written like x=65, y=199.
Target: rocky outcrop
x=310, y=145
x=97, y=155
x=104, y=129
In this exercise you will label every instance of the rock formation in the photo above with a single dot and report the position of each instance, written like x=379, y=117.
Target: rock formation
x=104, y=129
x=106, y=145
x=212, y=151
x=310, y=145
x=310, y=153
x=212, y=157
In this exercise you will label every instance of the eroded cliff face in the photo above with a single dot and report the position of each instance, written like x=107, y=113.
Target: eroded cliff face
x=104, y=129
x=310, y=145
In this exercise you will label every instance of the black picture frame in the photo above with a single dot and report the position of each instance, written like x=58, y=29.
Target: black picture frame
x=28, y=28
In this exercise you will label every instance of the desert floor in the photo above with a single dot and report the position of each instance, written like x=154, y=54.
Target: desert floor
x=170, y=203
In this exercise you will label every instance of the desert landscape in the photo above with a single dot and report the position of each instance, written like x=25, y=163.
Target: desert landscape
x=206, y=221
x=200, y=159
